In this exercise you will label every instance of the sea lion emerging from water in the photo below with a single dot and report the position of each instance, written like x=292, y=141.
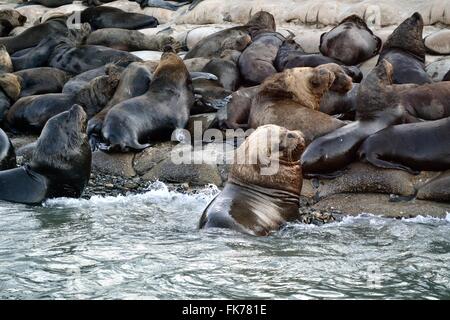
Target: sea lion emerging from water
x=253, y=202
x=61, y=164
x=351, y=41
x=163, y=108
x=405, y=50
x=7, y=154
x=109, y=17
x=236, y=38
x=411, y=147
x=377, y=108
x=41, y=80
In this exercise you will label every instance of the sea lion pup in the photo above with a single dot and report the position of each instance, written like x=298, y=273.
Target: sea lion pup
x=5, y=60
x=411, y=147
x=33, y=35
x=377, y=108
x=256, y=61
x=41, y=80
x=255, y=201
x=351, y=41
x=236, y=38
x=163, y=108
x=437, y=189
x=109, y=17
x=291, y=99
x=61, y=164
x=131, y=40
x=405, y=50
x=438, y=42
x=291, y=55
x=226, y=69
x=7, y=154
x=31, y=113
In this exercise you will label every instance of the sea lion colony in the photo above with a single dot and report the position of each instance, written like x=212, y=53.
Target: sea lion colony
x=348, y=132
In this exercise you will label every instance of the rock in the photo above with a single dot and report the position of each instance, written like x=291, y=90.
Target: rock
x=437, y=69
x=199, y=123
x=147, y=55
x=147, y=159
x=119, y=164
x=378, y=204
x=20, y=141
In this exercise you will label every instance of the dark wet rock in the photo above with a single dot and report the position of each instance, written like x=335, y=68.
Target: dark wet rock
x=120, y=164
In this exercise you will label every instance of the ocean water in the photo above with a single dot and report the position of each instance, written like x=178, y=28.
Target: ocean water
x=147, y=246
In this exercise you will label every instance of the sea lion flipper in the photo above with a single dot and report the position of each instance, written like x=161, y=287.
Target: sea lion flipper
x=374, y=160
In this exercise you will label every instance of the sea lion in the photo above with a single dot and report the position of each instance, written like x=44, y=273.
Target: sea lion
x=411, y=147
x=226, y=69
x=61, y=164
x=5, y=104
x=291, y=55
x=235, y=38
x=7, y=154
x=167, y=5
x=209, y=96
x=131, y=40
x=256, y=61
x=31, y=113
x=10, y=84
x=438, y=42
x=78, y=82
x=238, y=108
x=252, y=202
x=437, y=189
x=350, y=42
x=339, y=103
x=46, y=3
x=5, y=28
x=5, y=60
x=35, y=34
x=41, y=80
x=13, y=17
x=405, y=50
x=162, y=109
x=447, y=76
x=377, y=108
x=291, y=99
x=109, y=17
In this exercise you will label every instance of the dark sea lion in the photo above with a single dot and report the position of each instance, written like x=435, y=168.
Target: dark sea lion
x=37, y=57
x=411, y=147
x=209, y=96
x=78, y=82
x=35, y=34
x=109, y=17
x=5, y=28
x=46, y=3
x=377, y=108
x=131, y=40
x=351, y=41
x=235, y=38
x=438, y=42
x=405, y=50
x=5, y=60
x=339, y=103
x=7, y=154
x=291, y=99
x=31, y=113
x=14, y=17
x=167, y=5
x=291, y=55
x=41, y=80
x=5, y=104
x=226, y=69
x=251, y=201
x=61, y=164
x=447, y=76
x=437, y=189
x=256, y=62
x=238, y=109
x=165, y=107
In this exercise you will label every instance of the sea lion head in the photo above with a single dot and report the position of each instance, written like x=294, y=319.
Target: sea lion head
x=408, y=36
x=342, y=82
x=238, y=43
x=63, y=153
x=270, y=146
x=261, y=21
x=10, y=83
x=13, y=16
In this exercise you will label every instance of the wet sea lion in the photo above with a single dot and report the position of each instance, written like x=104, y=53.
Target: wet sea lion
x=32, y=113
x=46, y=3
x=5, y=60
x=252, y=202
x=163, y=108
x=109, y=17
x=131, y=40
x=238, y=109
x=226, y=69
x=377, y=108
x=438, y=42
x=350, y=42
x=41, y=80
x=411, y=147
x=235, y=38
x=7, y=154
x=291, y=99
x=405, y=50
x=437, y=189
x=61, y=164
x=256, y=62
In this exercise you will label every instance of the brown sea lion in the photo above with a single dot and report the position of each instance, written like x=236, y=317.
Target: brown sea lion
x=61, y=164
x=10, y=84
x=41, y=80
x=236, y=38
x=350, y=42
x=411, y=147
x=5, y=60
x=437, y=189
x=377, y=108
x=253, y=202
x=405, y=50
x=165, y=107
